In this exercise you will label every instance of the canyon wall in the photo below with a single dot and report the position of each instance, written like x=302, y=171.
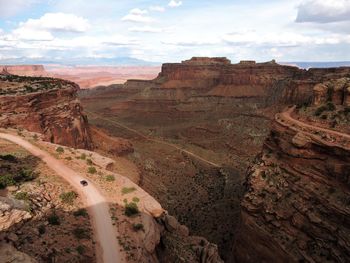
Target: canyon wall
x=296, y=207
x=46, y=106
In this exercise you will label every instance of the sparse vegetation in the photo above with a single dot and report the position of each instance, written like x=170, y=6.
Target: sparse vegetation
x=81, y=233
x=16, y=177
x=128, y=190
x=68, y=158
x=138, y=227
x=53, y=219
x=41, y=229
x=89, y=161
x=68, y=197
x=80, y=249
x=22, y=196
x=131, y=209
x=92, y=170
x=60, y=150
x=83, y=156
x=8, y=157
x=136, y=199
x=110, y=178
x=81, y=212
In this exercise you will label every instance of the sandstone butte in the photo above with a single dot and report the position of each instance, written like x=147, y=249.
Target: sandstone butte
x=296, y=202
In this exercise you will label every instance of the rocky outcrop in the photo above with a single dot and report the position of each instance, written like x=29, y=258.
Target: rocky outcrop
x=25, y=70
x=335, y=91
x=296, y=207
x=221, y=78
x=52, y=109
x=106, y=143
x=8, y=253
x=12, y=212
x=176, y=244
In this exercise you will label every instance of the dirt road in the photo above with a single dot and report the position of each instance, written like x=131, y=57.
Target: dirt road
x=108, y=247
x=287, y=115
x=171, y=145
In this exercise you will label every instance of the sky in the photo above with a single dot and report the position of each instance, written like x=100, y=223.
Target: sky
x=174, y=30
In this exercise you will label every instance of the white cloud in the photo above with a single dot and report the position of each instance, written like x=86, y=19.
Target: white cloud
x=157, y=8
x=138, y=11
x=56, y=22
x=285, y=39
x=138, y=16
x=323, y=11
x=24, y=33
x=145, y=29
x=174, y=3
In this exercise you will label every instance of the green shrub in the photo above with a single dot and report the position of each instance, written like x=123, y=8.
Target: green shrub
x=8, y=157
x=6, y=180
x=127, y=190
x=35, y=137
x=41, y=229
x=22, y=196
x=320, y=110
x=324, y=117
x=110, y=178
x=83, y=156
x=81, y=233
x=330, y=106
x=330, y=92
x=136, y=199
x=131, y=209
x=92, y=170
x=53, y=219
x=137, y=227
x=68, y=197
x=81, y=212
x=89, y=161
x=80, y=249
x=60, y=150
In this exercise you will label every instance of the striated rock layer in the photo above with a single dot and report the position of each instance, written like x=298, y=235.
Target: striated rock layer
x=55, y=112
x=296, y=208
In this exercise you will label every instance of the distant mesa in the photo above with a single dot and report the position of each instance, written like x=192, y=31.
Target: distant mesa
x=207, y=61
x=24, y=70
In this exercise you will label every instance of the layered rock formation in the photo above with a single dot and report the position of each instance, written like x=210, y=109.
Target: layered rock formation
x=216, y=110
x=47, y=106
x=296, y=207
x=336, y=91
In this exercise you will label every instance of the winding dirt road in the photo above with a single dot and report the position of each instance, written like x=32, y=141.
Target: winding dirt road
x=287, y=116
x=108, y=248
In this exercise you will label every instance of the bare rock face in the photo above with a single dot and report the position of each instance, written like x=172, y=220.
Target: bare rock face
x=175, y=243
x=221, y=78
x=296, y=207
x=10, y=254
x=12, y=212
x=335, y=91
x=46, y=106
x=115, y=146
x=320, y=94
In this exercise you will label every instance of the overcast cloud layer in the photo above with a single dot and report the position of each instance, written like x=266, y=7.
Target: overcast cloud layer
x=173, y=30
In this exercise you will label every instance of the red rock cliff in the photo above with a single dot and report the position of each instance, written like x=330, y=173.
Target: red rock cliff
x=296, y=208
x=55, y=112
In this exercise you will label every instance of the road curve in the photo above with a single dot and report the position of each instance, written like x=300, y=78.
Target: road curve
x=287, y=116
x=108, y=250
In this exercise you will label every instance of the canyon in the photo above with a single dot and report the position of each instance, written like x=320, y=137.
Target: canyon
x=252, y=157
